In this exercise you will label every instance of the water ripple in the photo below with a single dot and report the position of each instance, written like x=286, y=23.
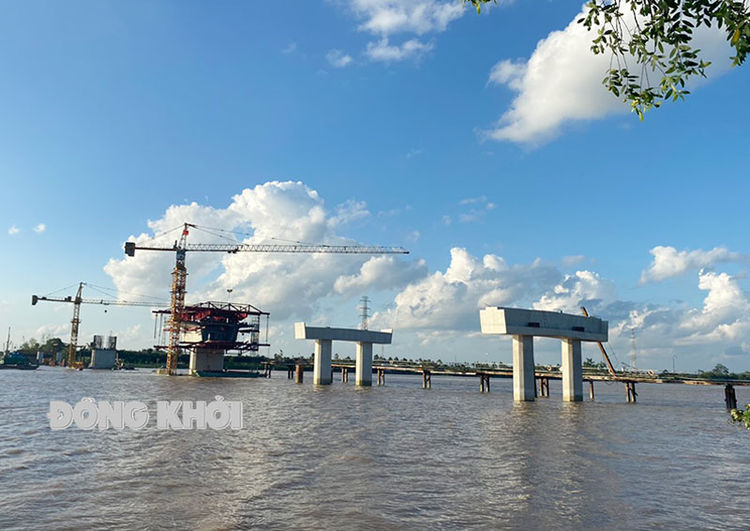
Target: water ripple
x=397, y=457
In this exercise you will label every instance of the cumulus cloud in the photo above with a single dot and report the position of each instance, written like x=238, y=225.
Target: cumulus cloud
x=426, y=304
x=478, y=209
x=49, y=330
x=584, y=288
x=473, y=200
x=385, y=52
x=668, y=262
x=338, y=59
x=452, y=299
x=385, y=19
x=380, y=272
x=289, y=285
x=725, y=315
x=13, y=230
x=702, y=336
x=562, y=82
x=413, y=236
x=448, y=302
x=40, y=228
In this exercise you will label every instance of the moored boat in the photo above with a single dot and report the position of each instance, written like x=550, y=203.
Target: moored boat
x=16, y=360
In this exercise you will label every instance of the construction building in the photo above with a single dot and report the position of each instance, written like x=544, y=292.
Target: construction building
x=103, y=353
x=209, y=330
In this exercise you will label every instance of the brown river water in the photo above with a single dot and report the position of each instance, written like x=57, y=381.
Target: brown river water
x=393, y=457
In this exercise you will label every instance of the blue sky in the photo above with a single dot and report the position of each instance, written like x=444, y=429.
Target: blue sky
x=114, y=112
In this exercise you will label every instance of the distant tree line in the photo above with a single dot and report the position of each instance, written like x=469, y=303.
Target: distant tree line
x=150, y=357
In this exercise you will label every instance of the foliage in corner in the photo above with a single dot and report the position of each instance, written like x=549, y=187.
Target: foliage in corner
x=650, y=43
x=742, y=416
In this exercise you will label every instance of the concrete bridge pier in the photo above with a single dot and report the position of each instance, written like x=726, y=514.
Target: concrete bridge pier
x=322, y=368
x=206, y=360
x=324, y=336
x=523, y=369
x=363, y=367
x=523, y=325
x=572, y=370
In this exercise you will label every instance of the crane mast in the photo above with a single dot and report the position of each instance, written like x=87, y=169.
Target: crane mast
x=74, y=325
x=179, y=274
x=177, y=303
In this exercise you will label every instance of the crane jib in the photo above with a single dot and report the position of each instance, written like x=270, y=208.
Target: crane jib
x=130, y=248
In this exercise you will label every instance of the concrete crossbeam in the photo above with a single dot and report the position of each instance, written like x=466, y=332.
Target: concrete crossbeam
x=518, y=321
x=302, y=331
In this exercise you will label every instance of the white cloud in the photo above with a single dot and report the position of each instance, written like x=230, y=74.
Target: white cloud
x=13, y=230
x=451, y=300
x=701, y=337
x=473, y=200
x=338, y=59
x=288, y=285
x=385, y=19
x=308, y=286
x=448, y=302
x=290, y=48
x=584, y=288
x=380, y=273
x=49, y=330
x=480, y=207
x=507, y=72
x=562, y=82
x=348, y=212
x=669, y=262
x=725, y=315
x=40, y=228
x=385, y=52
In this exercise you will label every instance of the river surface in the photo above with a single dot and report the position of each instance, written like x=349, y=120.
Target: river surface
x=393, y=457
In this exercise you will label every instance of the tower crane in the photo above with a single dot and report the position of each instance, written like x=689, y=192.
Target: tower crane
x=179, y=274
x=76, y=301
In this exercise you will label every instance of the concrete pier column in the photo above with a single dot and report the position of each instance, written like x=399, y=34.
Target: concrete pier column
x=523, y=368
x=363, y=368
x=572, y=370
x=206, y=360
x=322, y=362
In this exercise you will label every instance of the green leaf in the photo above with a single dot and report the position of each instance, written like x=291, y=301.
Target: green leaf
x=736, y=37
